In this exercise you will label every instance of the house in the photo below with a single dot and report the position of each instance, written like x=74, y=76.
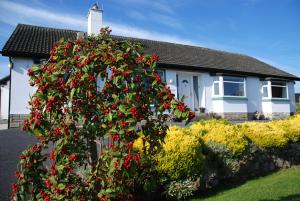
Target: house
x=231, y=85
x=4, y=99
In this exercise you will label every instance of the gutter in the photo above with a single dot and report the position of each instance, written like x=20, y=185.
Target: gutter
x=9, y=101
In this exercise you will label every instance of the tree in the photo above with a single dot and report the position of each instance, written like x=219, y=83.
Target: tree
x=70, y=111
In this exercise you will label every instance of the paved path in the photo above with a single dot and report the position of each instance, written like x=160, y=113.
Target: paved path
x=12, y=143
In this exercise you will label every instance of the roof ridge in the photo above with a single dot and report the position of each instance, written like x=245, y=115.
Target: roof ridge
x=129, y=37
x=37, y=26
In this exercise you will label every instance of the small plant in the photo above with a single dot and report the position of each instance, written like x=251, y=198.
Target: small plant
x=182, y=189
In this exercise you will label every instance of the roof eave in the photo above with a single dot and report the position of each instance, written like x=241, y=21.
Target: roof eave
x=217, y=70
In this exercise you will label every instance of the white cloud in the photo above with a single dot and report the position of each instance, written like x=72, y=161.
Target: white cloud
x=130, y=31
x=14, y=13
x=136, y=15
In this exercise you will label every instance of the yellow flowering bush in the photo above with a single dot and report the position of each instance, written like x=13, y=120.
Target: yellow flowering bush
x=181, y=155
x=220, y=132
x=274, y=134
x=266, y=135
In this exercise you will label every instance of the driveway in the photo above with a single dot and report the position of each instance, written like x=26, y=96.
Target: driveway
x=12, y=143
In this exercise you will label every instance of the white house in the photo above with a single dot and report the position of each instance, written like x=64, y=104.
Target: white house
x=231, y=85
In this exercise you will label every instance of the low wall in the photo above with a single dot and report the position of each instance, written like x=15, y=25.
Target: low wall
x=257, y=162
x=16, y=120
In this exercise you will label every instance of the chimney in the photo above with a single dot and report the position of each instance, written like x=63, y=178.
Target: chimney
x=94, y=20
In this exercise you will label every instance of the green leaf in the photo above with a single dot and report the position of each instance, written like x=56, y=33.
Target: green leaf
x=72, y=93
x=122, y=108
x=109, y=116
x=61, y=186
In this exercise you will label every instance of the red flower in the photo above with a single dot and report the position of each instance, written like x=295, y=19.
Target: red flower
x=48, y=183
x=14, y=187
x=134, y=112
x=124, y=56
x=92, y=78
x=154, y=57
x=191, y=115
x=124, y=123
x=126, y=90
x=116, y=164
x=114, y=106
x=106, y=111
x=79, y=64
x=72, y=84
x=129, y=145
x=167, y=106
x=29, y=72
x=22, y=156
x=35, y=101
x=52, y=155
x=72, y=157
x=120, y=114
x=115, y=137
x=68, y=45
x=17, y=174
x=57, y=131
x=181, y=107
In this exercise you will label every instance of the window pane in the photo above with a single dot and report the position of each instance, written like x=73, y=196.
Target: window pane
x=281, y=83
x=265, y=92
x=216, y=88
x=279, y=92
x=233, y=89
x=264, y=82
x=233, y=79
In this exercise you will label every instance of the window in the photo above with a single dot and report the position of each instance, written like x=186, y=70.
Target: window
x=274, y=89
x=216, y=86
x=234, y=86
x=162, y=74
x=229, y=86
x=265, y=89
x=278, y=89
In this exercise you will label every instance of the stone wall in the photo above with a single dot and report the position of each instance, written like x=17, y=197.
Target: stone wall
x=257, y=162
x=16, y=120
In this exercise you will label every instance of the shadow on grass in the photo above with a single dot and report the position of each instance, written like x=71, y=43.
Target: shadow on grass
x=295, y=197
x=229, y=184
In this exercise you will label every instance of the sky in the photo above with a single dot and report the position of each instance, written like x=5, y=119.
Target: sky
x=268, y=30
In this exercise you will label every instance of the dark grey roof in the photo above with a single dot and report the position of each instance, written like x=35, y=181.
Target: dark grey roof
x=35, y=41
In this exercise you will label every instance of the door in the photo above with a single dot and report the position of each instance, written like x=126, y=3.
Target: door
x=185, y=88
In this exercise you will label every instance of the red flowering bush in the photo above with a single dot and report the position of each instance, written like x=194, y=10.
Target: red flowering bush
x=70, y=111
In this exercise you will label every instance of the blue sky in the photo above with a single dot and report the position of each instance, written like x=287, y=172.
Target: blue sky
x=266, y=29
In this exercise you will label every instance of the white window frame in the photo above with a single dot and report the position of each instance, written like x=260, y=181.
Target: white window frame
x=221, y=86
x=269, y=87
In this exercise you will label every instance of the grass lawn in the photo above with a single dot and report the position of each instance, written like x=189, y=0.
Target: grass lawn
x=280, y=186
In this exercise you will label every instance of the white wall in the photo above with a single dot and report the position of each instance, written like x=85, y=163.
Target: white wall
x=206, y=86
x=254, y=94
x=4, y=93
x=20, y=88
x=235, y=105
